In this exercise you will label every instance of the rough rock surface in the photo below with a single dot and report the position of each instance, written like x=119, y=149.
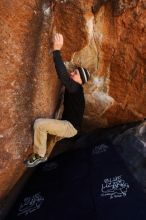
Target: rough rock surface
x=131, y=144
x=107, y=37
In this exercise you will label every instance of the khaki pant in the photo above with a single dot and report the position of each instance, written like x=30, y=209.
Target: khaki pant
x=42, y=127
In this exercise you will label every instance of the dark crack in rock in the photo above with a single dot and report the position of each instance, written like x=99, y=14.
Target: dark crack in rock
x=97, y=5
x=120, y=6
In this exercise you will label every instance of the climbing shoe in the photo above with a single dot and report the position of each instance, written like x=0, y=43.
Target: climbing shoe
x=34, y=160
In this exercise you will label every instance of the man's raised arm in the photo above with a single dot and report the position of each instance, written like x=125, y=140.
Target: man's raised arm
x=59, y=65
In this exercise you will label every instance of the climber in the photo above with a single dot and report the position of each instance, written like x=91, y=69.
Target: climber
x=74, y=104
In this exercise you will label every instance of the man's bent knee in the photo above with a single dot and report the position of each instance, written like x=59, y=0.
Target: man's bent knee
x=70, y=131
x=37, y=123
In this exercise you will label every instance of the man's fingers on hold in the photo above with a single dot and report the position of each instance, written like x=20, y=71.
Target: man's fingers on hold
x=61, y=36
x=56, y=37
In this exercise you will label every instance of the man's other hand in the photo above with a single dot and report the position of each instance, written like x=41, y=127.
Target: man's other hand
x=58, y=41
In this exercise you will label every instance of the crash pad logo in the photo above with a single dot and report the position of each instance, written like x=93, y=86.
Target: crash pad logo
x=100, y=149
x=30, y=204
x=114, y=187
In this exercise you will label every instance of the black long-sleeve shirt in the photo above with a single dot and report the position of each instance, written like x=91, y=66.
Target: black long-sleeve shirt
x=74, y=102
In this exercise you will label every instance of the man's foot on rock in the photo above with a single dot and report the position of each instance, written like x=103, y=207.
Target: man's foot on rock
x=34, y=159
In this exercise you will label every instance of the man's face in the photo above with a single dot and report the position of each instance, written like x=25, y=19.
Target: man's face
x=75, y=75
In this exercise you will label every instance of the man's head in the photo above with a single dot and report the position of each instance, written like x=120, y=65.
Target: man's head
x=80, y=75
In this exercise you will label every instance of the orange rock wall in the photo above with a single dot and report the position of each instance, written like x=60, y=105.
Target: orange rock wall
x=107, y=37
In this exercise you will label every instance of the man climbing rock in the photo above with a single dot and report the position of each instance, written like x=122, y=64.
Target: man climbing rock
x=74, y=105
